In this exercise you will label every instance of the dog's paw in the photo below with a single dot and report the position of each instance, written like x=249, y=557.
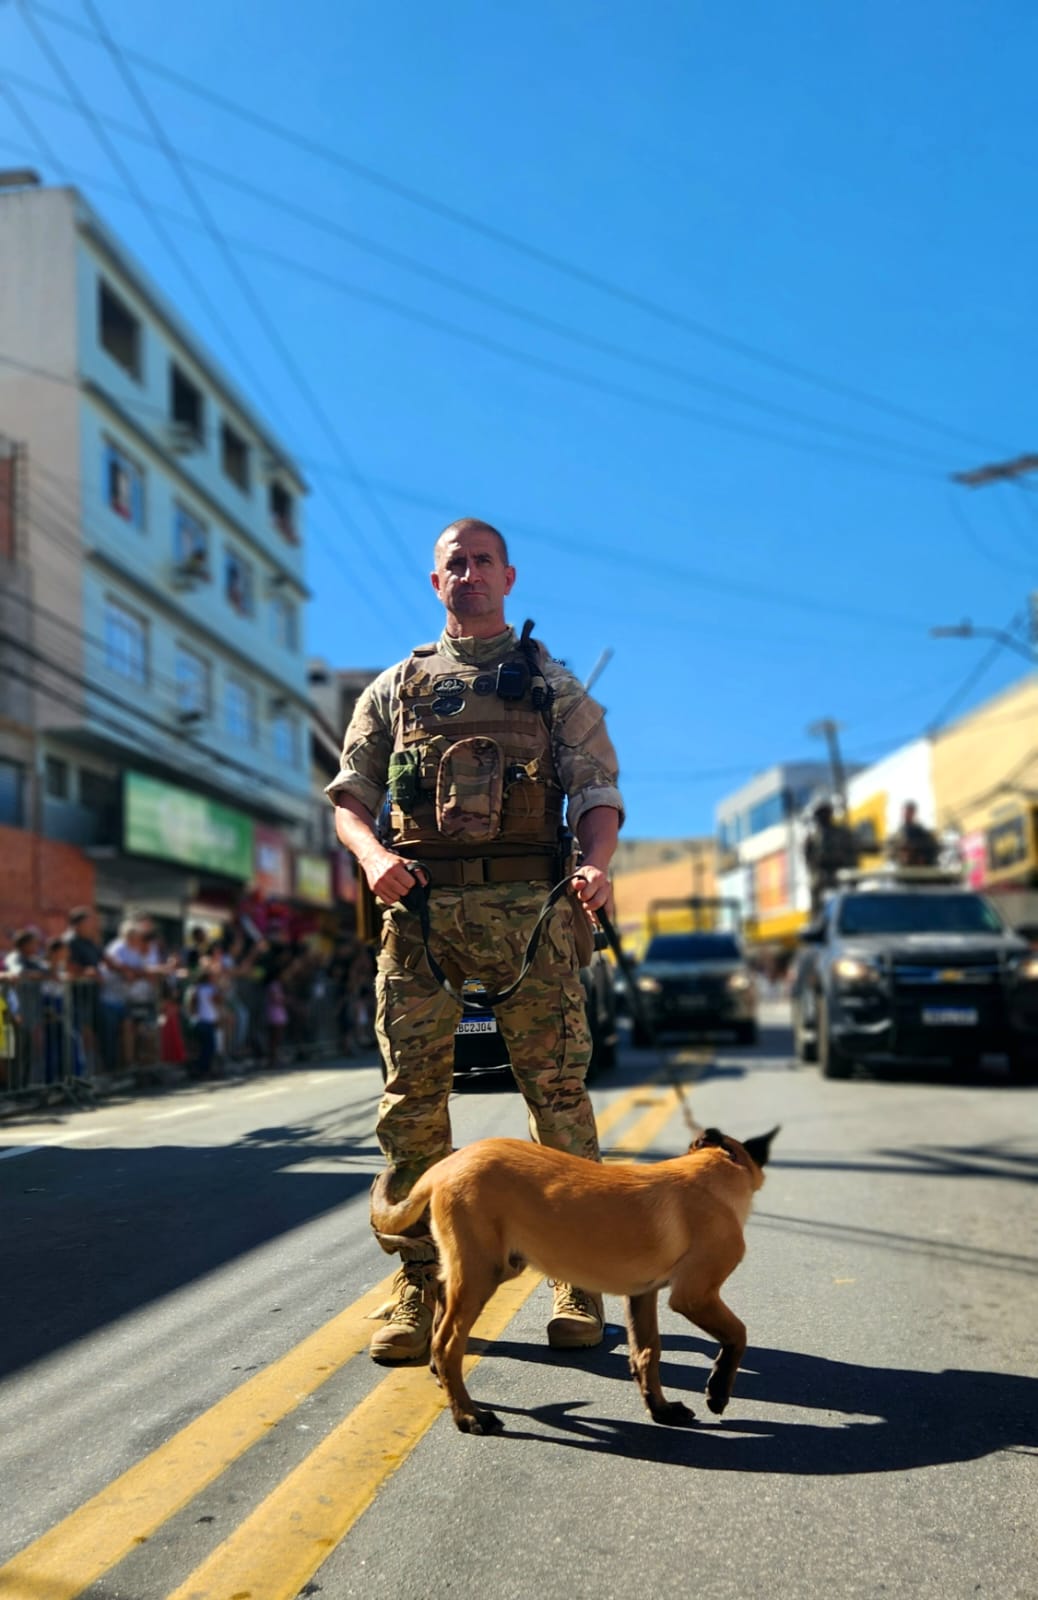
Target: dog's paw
x=479, y=1421
x=674, y=1414
x=717, y=1400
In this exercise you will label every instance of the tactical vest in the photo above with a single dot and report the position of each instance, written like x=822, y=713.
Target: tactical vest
x=471, y=774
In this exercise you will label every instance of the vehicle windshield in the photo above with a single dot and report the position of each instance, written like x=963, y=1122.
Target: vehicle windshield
x=693, y=947
x=917, y=913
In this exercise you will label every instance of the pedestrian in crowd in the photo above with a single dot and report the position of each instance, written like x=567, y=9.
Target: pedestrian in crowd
x=84, y=955
x=482, y=740
x=84, y=959
x=913, y=845
x=24, y=960
x=58, y=1052
x=275, y=1017
x=830, y=847
x=26, y=967
x=204, y=1012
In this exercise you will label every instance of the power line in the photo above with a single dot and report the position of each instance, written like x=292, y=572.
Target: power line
x=513, y=242
x=972, y=678
x=244, y=283
x=481, y=296
x=594, y=549
x=112, y=151
x=92, y=118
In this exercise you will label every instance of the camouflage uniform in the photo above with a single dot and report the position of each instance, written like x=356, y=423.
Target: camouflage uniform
x=829, y=847
x=913, y=845
x=480, y=931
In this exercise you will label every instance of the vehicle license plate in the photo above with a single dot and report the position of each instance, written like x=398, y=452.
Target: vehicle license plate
x=477, y=1025
x=950, y=1016
x=692, y=1002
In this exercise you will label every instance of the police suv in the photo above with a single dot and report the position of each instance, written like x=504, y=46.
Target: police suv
x=480, y=1047
x=910, y=966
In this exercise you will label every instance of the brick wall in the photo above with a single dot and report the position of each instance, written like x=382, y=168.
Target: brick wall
x=40, y=880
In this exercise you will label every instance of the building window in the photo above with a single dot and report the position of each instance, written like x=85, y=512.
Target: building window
x=190, y=546
x=126, y=643
x=283, y=512
x=192, y=676
x=12, y=793
x=186, y=409
x=55, y=778
x=283, y=736
x=124, y=486
x=234, y=456
x=240, y=711
x=238, y=587
x=118, y=330
x=284, y=623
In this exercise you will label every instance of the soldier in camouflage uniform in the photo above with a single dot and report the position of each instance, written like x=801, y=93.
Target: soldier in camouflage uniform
x=913, y=845
x=829, y=848
x=482, y=744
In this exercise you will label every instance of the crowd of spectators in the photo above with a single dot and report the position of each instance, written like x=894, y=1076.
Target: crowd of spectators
x=79, y=1005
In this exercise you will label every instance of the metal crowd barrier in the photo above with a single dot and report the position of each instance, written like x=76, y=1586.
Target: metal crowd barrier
x=70, y=1039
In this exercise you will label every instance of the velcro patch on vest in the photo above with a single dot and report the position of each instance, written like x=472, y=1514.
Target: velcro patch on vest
x=470, y=791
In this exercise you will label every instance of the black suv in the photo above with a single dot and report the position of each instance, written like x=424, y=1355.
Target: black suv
x=912, y=966
x=480, y=1047
x=694, y=983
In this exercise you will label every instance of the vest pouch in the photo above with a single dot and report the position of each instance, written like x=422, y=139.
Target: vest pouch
x=404, y=778
x=470, y=787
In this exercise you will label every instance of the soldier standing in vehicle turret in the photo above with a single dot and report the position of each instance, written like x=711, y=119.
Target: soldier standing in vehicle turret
x=913, y=845
x=483, y=742
x=830, y=847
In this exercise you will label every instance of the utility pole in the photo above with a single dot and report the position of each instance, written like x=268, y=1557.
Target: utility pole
x=996, y=472
x=829, y=730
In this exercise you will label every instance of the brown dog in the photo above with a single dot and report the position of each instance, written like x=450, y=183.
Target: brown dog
x=500, y=1205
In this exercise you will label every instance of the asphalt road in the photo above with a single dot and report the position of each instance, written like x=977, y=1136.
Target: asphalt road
x=186, y=1411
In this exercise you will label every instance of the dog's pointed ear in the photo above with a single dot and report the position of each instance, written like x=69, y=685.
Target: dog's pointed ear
x=707, y=1137
x=760, y=1148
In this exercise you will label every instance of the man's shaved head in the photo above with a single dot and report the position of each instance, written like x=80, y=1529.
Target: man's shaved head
x=473, y=525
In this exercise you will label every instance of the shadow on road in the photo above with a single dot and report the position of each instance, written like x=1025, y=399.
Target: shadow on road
x=896, y=1420
x=107, y=1231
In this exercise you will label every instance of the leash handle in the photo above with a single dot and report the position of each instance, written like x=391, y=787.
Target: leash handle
x=416, y=901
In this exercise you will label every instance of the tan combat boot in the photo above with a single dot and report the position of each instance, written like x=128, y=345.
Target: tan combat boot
x=577, y=1320
x=405, y=1334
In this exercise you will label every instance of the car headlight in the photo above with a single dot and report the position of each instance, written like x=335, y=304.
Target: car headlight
x=1027, y=969
x=649, y=985
x=739, y=980
x=849, y=969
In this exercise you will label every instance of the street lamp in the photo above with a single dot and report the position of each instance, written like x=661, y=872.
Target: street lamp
x=967, y=630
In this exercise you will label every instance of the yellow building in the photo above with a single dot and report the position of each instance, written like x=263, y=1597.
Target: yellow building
x=985, y=776
x=691, y=875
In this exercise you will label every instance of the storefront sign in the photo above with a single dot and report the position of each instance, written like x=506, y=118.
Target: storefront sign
x=1010, y=849
x=178, y=825
x=314, y=880
x=974, y=856
x=272, y=864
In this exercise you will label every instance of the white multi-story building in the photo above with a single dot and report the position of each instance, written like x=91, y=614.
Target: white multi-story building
x=760, y=834
x=151, y=629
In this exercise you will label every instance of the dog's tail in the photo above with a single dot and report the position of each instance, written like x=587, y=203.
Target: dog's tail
x=389, y=1218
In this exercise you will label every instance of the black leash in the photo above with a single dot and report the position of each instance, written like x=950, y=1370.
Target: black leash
x=417, y=901
x=644, y=1020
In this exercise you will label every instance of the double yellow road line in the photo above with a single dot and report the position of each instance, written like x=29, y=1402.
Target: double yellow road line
x=281, y=1544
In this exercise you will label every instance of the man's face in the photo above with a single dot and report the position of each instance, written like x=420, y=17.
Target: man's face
x=470, y=577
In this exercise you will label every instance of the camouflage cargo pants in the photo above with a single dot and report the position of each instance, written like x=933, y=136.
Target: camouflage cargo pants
x=480, y=932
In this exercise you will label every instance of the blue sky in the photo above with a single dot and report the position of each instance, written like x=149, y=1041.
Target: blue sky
x=777, y=194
